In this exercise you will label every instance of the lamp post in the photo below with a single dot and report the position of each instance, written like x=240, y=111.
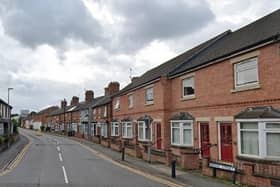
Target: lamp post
x=9, y=121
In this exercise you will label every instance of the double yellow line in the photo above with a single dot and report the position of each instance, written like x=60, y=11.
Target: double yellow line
x=17, y=160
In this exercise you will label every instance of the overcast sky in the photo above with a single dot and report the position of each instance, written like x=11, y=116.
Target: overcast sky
x=54, y=49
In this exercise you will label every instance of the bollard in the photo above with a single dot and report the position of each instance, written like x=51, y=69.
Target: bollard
x=173, y=168
x=123, y=153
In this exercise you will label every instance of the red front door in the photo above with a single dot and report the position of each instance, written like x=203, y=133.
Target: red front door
x=158, y=139
x=204, y=140
x=226, y=142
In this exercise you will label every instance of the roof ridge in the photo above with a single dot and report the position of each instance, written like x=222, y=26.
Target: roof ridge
x=215, y=39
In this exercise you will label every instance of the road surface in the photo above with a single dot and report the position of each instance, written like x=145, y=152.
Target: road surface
x=58, y=161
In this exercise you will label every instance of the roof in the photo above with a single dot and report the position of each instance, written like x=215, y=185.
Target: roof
x=223, y=45
x=102, y=101
x=165, y=68
x=47, y=109
x=265, y=112
x=263, y=30
x=80, y=106
x=4, y=102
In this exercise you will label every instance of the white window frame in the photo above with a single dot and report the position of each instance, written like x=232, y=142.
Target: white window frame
x=105, y=111
x=144, y=131
x=181, y=133
x=117, y=103
x=113, y=126
x=130, y=101
x=262, y=131
x=191, y=95
x=235, y=73
x=104, y=130
x=125, y=126
x=146, y=95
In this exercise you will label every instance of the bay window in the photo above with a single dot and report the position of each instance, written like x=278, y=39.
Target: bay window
x=144, y=131
x=115, y=129
x=127, y=130
x=259, y=139
x=182, y=133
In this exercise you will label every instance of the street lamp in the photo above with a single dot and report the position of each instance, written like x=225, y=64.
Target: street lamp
x=9, y=122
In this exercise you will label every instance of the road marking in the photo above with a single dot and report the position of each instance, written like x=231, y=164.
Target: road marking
x=60, y=157
x=65, y=175
x=58, y=148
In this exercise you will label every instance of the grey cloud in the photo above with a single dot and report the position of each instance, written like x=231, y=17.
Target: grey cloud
x=35, y=22
x=151, y=20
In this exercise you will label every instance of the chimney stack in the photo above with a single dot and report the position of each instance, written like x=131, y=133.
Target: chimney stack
x=63, y=103
x=112, y=88
x=89, y=95
x=106, y=91
x=75, y=100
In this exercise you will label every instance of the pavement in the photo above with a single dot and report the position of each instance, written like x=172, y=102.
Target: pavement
x=184, y=178
x=7, y=156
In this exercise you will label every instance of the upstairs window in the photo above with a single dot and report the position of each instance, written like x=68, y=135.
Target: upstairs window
x=130, y=101
x=246, y=72
x=105, y=111
x=115, y=129
x=188, y=87
x=117, y=103
x=149, y=95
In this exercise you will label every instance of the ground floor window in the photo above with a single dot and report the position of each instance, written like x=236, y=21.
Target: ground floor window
x=144, y=131
x=93, y=129
x=115, y=129
x=1, y=129
x=182, y=133
x=104, y=130
x=127, y=130
x=259, y=139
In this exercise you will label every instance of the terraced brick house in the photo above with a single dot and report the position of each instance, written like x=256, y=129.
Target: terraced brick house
x=5, y=118
x=216, y=105
x=102, y=117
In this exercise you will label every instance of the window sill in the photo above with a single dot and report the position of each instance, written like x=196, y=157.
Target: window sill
x=258, y=160
x=185, y=98
x=128, y=138
x=246, y=88
x=149, y=103
x=182, y=146
x=117, y=109
x=144, y=141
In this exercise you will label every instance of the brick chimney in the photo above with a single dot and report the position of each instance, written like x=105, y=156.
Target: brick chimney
x=75, y=100
x=63, y=103
x=106, y=91
x=113, y=87
x=89, y=95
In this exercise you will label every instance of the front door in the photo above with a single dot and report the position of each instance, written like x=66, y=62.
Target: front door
x=158, y=133
x=204, y=140
x=226, y=142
